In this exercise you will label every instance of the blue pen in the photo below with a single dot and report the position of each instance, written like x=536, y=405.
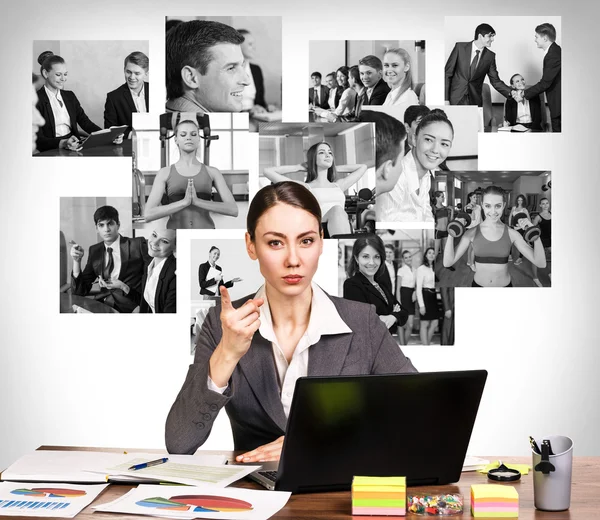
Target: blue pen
x=147, y=464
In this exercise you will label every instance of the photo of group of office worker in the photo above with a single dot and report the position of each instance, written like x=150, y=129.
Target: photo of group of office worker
x=497, y=65
x=239, y=59
x=493, y=228
x=81, y=112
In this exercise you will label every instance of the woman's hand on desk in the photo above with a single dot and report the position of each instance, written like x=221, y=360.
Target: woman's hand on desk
x=265, y=453
x=72, y=143
x=119, y=139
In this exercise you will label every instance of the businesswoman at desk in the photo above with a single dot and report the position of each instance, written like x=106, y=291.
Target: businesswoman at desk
x=187, y=186
x=492, y=241
x=250, y=352
x=60, y=108
x=363, y=285
x=322, y=180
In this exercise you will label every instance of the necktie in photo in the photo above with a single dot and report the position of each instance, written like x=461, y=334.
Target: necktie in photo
x=474, y=63
x=108, y=268
x=316, y=98
x=360, y=102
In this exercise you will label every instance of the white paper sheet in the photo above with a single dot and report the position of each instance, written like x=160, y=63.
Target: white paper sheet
x=183, y=469
x=212, y=273
x=199, y=502
x=474, y=463
x=46, y=499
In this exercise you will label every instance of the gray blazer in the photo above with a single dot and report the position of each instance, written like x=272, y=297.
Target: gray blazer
x=252, y=400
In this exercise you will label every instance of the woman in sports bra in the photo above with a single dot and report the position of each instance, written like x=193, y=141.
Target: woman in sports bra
x=492, y=241
x=442, y=215
x=322, y=181
x=474, y=210
x=544, y=220
x=187, y=186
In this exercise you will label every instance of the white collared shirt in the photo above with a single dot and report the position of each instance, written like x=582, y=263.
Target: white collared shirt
x=425, y=280
x=523, y=111
x=331, y=100
x=390, y=268
x=154, y=270
x=324, y=320
x=474, y=48
x=139, y=100
x=408, y=201
x=116, y=253
x=249, y=92
x=408, y=276
x=62, y=120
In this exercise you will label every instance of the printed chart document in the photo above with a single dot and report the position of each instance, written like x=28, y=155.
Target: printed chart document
x=182, y=469
x=87, y=466
x=46, y=499
x=198, y=502
x=213, y=273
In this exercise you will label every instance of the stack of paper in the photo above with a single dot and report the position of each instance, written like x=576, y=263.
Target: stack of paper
x=494, y=501
x=379, y=496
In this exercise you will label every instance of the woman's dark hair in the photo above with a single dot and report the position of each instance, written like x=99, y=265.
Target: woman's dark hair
x=425, y=261
x=514, y=76
x=345, y=72
x=494, y=190
x=311, y=164
x=469, y=196
x=436, y=195
x=521, y=196
x=47, y=60
x=287, y=192
x=437, y=115
x=355, y=73
x=212, y=249
x=359, y=244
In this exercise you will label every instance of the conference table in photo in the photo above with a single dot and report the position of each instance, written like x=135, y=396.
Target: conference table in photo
x=69, y=302
x=111, y=150
x=585, y=493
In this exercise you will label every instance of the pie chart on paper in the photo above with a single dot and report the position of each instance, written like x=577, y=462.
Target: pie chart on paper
x=198, y=504
x=50, y=492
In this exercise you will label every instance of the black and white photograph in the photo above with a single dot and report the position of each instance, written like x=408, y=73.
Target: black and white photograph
x=335, y=161
x=226, y=262
x=434, y=140
x=85, y=95
x=493, y=228
x=394, y=271
x=105, y=268
x=347, y=77
x=224, y=64
x=509, y=66
x=190, y=171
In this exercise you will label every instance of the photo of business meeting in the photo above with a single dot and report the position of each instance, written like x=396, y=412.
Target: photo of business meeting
x=509, y=66
x=327, y=259
x=81, y=112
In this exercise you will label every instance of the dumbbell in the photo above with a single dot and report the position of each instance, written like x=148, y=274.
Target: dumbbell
x=457, y=227
x=531, y=233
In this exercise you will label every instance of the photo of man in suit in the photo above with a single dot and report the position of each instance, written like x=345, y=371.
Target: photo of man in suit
x=388, y=277
x=205, y=68
x=468, y=65
x=318, y=94
x=118, y=263
x=545, y=39
x=371, y=74
x=130, y=97
x=159, y=283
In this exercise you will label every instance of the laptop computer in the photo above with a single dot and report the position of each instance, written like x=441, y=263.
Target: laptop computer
x=413, y=425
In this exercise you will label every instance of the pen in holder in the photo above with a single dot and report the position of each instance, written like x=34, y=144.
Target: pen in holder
x=552, y=468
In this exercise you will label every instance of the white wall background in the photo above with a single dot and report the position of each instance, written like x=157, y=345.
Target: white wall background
x=514, y=45
x=110, y=380
x=95, y=67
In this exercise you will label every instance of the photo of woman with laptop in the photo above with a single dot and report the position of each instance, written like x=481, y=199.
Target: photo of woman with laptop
x=303, y=332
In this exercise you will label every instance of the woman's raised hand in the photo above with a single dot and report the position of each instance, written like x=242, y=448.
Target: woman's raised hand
x=239, y=325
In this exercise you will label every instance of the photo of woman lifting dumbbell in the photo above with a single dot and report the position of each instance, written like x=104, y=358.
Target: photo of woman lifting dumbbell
x=492, y=241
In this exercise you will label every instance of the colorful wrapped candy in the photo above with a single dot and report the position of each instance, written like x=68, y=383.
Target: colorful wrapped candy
x=435, y=505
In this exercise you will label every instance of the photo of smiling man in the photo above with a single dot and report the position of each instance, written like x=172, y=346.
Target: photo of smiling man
x=206, y=69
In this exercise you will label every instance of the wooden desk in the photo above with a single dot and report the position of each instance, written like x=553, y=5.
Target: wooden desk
x=337, y=506
x=112, y=150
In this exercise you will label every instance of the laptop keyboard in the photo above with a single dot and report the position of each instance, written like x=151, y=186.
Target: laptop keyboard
x=271, y=475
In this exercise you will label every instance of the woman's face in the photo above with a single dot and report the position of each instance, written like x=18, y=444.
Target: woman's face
x=493, y=206
x=545, y=205
x=407, y=259
x=473, y=199
x=341, y=79
x=324, y=157
x=213, y=256
x=441, y=198
x=56, y=77
x=187, y=138
x=161, y=244
x=287, y=245
x=394, y=69
x=37, y=121
x=434, y=143
x=430, y=255
x=520, y=202
x=351, y=81
x=519, y=82
x=368, y=261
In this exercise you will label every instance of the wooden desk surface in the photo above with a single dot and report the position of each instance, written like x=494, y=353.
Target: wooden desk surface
x=336, y=506
x=111, y=150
